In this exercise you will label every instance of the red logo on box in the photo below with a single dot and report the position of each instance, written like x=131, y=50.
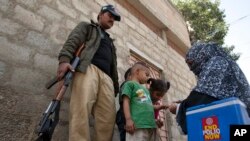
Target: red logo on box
x=210, y=127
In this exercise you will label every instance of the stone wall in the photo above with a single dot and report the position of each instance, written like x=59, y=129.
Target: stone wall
x=31, y=34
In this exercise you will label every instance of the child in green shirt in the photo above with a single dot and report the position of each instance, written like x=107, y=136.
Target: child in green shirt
x=137, y=105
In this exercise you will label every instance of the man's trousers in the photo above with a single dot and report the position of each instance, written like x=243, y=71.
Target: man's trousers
x=92, y=93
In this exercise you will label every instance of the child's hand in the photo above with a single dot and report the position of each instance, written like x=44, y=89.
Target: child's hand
x=159, y=123
x=130, y=127
x=164, y=106
x=159, y=107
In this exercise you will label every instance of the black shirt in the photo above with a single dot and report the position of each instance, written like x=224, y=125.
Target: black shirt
x=195, y=98
x=103, y=56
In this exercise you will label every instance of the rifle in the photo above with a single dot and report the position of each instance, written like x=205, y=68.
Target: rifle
x=50, y=117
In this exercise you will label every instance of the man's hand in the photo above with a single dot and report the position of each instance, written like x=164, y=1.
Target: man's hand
x=62, y=69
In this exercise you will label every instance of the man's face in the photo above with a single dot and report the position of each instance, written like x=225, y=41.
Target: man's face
x=106, y=20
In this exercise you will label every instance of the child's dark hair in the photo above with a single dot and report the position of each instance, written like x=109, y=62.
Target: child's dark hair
x=127, y=73
x=158, y=85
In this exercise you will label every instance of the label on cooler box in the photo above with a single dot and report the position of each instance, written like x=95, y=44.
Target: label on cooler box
x=210, y=127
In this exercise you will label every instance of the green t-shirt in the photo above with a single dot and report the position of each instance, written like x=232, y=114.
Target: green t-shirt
x=141, y=106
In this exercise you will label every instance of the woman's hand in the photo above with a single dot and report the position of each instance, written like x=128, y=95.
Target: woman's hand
x=172, y=108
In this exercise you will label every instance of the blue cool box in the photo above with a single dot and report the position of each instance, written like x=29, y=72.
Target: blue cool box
x=211, y=122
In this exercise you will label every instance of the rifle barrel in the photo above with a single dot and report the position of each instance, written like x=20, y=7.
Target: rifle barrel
x=48, y=123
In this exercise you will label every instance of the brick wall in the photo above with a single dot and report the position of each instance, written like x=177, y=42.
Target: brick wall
x=33, y=31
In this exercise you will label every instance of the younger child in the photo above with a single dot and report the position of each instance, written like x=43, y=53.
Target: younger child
x=157, y=89
x=137, y=105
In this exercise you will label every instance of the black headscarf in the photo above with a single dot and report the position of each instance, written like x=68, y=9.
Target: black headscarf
x=218, y=75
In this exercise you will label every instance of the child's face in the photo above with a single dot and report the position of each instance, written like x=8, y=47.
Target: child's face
x=156, y=95
x=143, y=75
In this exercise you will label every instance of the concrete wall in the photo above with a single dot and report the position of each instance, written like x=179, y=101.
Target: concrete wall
x=32, y=33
